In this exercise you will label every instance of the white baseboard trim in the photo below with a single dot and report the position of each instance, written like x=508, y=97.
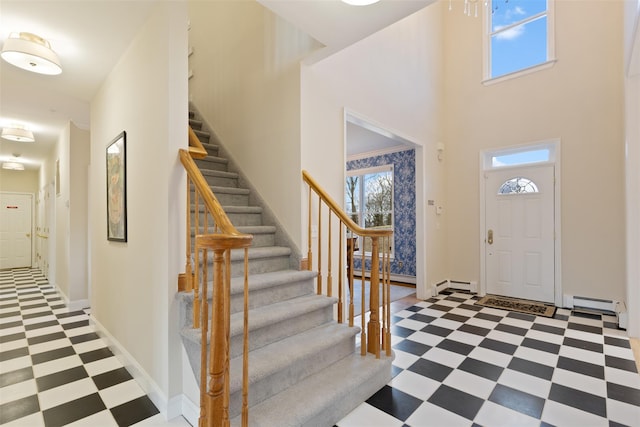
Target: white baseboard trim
x=72, y=305
x=190, y=411
x=137, y=372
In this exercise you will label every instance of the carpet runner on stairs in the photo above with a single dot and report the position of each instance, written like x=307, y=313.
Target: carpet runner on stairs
x=304, y=368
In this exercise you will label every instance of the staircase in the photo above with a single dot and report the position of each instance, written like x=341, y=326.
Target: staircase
x=304, y=368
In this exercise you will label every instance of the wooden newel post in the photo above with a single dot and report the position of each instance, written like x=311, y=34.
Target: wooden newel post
x=218, y=412
x=373, y=328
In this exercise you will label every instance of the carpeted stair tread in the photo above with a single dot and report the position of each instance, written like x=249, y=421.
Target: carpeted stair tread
x=250, y=229
x=279, y=312
x=220, y=174
x=266, y=361
x=259, y=253
x=230, y=190
x=327, y=395
x=243, y=209
x=259, y=282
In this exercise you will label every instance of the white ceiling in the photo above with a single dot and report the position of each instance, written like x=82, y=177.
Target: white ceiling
x=90, y=36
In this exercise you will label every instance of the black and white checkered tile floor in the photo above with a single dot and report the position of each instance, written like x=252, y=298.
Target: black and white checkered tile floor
x=456, y=364
x=459, y=364
x=54, y=369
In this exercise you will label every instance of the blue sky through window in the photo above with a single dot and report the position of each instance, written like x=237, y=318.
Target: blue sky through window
x=519, y=35
x=520, y=158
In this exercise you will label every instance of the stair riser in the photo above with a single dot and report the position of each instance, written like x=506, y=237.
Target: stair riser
x=220, y=181
x=241, y=219
x=263, y=297
x=298, y=370
x=274, y=332
x=237, y=219
x=261, y=265
x=227, y=199
x=257, y=298
x=195, y=124
x=203, y=137
x=211, y=165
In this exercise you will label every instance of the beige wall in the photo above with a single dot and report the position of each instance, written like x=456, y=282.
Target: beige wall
x=246, y=84
x=69, y=237
x=392, y=78
x=133, y=284
x=580, y=101
x=25, y=181
x=632, y=166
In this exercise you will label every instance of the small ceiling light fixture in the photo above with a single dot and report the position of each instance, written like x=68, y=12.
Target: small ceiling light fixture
x=15, y=166
x=360, y=2
x=31, y=52
x=17, y=134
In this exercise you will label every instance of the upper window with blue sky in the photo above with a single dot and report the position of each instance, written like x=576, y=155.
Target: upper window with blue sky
x=520, y=36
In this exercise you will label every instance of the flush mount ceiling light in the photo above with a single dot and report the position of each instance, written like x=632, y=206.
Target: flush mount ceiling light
x=15, y=166
x=31, y=52
x=360, y=2
x=17, y=134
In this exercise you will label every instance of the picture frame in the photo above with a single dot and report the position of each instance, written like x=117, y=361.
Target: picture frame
x=116, y=156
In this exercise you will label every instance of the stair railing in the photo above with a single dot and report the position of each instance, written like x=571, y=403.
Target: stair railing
x=212, y=231
x=377, y=334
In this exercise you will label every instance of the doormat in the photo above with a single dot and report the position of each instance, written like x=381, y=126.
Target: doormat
x=519, y=305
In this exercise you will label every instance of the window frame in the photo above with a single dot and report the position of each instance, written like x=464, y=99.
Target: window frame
x=362, y=202
x=486, y=44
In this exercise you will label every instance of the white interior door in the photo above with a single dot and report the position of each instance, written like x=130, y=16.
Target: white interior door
x=519, y=235
x=15, y=230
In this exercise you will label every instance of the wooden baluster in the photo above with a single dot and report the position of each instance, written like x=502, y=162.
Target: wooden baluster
x=319, y=290
x=218, y=369
x=309, y=234
x=245, y=344
x=196, y=285
x=188, y=268
x=226, y=299
x=329, y=277
x=373, y=331
x=340, y=273
x=388, y=323
x=363, y=335
x=350, y=251
x=204, y=315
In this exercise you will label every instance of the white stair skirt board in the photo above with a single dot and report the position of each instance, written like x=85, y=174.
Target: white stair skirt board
x=600, y=306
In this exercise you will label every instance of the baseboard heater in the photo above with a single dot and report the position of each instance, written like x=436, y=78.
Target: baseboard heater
x=454, y=284
x=598, y=306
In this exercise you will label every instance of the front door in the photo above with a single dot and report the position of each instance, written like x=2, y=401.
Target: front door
x=15, y=230
x=519, y=234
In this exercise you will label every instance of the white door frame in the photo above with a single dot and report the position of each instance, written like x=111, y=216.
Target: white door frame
x=19, y=193
x=484, y=166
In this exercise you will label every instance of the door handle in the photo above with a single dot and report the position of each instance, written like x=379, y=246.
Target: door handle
x=490, y=237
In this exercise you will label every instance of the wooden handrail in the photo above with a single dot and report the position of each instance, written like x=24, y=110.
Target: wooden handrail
x=196, y=149
x=377, y=334
x=220, y=238
x=335, y=208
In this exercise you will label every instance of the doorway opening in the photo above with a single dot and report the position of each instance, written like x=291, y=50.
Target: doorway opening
x=372, y=147
x=520, y=238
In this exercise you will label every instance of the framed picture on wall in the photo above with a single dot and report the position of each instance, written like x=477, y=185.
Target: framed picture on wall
x=117, y=188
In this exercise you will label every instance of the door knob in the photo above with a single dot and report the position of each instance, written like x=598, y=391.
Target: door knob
x=28, y=234
x=490, y=237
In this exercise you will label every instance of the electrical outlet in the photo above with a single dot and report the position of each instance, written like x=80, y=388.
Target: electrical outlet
x=400, y=264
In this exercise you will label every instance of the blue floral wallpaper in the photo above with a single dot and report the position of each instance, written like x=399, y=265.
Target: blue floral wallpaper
x=404, y=200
